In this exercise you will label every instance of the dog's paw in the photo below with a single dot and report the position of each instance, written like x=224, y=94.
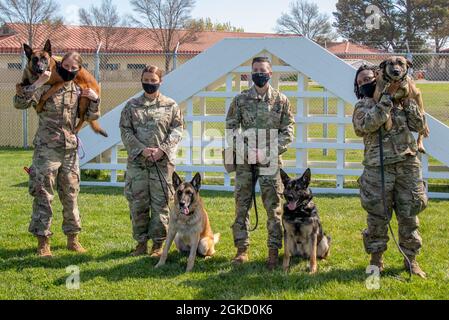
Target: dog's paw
x=313, y=270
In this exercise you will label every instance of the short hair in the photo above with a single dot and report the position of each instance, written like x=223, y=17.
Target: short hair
x=363, y=67
x=261, y=59
x=76, y=56
x=152, y=69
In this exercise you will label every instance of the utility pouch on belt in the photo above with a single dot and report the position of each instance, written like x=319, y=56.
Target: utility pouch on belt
x=229, y=160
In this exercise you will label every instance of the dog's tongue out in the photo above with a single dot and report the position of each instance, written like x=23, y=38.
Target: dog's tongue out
x=291, y=205
x=185, y=211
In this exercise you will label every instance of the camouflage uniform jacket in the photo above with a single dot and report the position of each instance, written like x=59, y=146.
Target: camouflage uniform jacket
x=399, y=142
x=57, y=124
x=249, y=110
x=151, y=124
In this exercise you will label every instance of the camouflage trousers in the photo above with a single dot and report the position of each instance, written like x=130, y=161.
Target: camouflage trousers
x=147, y=202
x=406, y=196
x=54, y=168
x=271, y=188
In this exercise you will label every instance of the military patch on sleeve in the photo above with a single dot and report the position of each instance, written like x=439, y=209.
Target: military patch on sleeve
x=359, y=115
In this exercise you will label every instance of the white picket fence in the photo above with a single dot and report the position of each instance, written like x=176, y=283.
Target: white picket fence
x=223, y=65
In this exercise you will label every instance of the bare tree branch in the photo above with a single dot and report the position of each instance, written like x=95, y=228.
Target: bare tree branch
x=103, y=22
x=38, y=17
x=168, y=23
x=305, y=19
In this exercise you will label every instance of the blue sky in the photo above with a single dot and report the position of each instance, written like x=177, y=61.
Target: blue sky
x=252, y=15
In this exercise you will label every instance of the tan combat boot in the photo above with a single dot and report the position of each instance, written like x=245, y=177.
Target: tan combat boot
x=272, y=262
x=43, y=247
x=377, y=260
x=141, y=249
x=415, y=268
x=241, y=256
x=73, y=244
x=156, y=250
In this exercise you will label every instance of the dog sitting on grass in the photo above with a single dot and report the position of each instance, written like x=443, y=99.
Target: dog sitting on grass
x=303, y=233
x=189, y=225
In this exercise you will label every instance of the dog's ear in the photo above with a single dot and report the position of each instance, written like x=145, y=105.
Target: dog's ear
x=176, y=180
x=285, y=178
x=28, y=51
x=383, y=65
x=47, y=47
x=196, y=182
x=409, y=64
x=306, y=177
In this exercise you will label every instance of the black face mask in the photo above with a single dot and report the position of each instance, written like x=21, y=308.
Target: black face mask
x=260, y=79
x=151, y=88
x=367, y=90
x=65, y=74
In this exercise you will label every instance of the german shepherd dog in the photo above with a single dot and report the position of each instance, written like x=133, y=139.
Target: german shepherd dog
x=303, y=233
x=394, y=70
x=189, y=224
x=40, y=61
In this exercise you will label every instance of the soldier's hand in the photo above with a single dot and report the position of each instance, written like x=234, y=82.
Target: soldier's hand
x=252, y=156
x=157, y=154
x=147, y=153
x=260, y=156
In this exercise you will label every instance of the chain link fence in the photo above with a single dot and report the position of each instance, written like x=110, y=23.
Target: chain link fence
x=119, y=75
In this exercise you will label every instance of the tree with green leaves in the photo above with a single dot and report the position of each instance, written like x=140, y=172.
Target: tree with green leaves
x=206, y=24
x=438, y=22
x=402, y=23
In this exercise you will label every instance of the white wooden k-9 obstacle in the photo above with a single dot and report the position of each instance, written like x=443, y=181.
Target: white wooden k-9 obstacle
x=223, y=65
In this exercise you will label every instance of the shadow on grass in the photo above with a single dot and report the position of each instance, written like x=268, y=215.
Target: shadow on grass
x=252, y=279
x=20, y=259
x=144, y=268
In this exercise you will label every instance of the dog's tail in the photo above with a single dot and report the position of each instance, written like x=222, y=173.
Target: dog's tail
x=216, y=238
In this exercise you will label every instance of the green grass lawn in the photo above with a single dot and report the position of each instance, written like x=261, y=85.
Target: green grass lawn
x=107, y=272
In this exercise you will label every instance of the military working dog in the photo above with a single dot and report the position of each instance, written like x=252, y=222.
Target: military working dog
x=303, y=233
x=394, y=70
x=189, y=225
x=40, y=61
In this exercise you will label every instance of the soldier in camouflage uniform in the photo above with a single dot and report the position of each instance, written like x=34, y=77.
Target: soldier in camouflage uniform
x=260, y=107
x=55, y=160
x=405, y=190
x=151, y=127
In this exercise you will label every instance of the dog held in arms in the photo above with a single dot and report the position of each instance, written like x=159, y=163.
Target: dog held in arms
x=189, y=225
x=303, y=233
x=394, y=70
x=40, y=61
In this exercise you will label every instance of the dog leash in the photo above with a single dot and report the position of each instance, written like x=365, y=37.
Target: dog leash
x=384, y=201
x=162, y=177
x=253, y=195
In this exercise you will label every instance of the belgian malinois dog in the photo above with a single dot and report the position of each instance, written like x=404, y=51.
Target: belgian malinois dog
x=40, y=61
x=189, y=224
x=303, y=233
x=394, y=70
